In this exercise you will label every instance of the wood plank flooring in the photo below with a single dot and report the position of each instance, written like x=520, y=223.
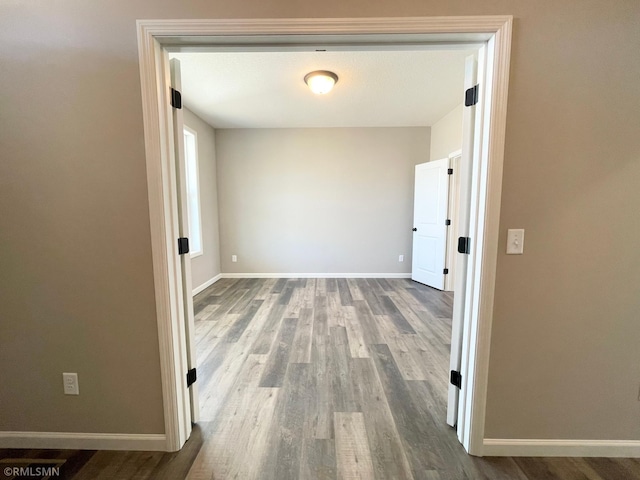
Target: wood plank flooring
x=323, y=379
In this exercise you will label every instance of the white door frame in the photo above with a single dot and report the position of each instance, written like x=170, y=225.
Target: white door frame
x=453, y=209
x=155, y=36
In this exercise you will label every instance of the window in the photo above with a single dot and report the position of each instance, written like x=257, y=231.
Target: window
x=193, y=192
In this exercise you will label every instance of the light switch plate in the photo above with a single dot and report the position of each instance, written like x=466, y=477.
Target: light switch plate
x=515, y=241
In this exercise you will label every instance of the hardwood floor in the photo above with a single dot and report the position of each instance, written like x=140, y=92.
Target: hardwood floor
x=323, y=379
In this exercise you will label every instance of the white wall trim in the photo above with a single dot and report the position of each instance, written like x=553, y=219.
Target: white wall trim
x=500, y=447
x=206, y=284
x=84, y=441
x=316, y=275
x=163, y=211
x=487, y=229
x=154, y=36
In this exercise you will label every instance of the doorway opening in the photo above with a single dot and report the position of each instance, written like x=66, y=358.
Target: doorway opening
x=154, y=40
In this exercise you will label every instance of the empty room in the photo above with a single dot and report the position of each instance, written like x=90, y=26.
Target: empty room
x=310, y=333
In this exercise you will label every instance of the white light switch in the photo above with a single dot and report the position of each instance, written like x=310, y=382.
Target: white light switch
x=515, y=241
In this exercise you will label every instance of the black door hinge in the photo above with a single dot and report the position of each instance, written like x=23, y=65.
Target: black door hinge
x=450, y=171
x=176, y=98
x=447, y=222
x=183, y=245
x=191, y=377
x=471, y=96
x=445, y=271
x=464, y=245
x=456, y=379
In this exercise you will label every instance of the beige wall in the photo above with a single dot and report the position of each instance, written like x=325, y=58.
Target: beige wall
x=446, y=134
x=76, y=281
x=206, y=266
x=318, y=200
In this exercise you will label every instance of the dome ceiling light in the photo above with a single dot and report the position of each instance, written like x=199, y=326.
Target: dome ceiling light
x=321, y=81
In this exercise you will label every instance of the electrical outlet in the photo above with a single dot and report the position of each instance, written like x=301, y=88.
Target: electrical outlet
x=234, y=258
x=401, y=258
x=515, y=241
x=70, y=383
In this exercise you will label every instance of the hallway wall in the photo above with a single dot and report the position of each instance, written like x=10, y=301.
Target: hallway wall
x=77, y=282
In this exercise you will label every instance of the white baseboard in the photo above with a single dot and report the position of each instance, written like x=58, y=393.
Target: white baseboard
x=316, y=275
x=206, y=284
x=499, y=447
x=84, y=441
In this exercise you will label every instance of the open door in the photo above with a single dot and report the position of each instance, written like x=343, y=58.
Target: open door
x=183, y=228
x=430, y=206
x=464, y=211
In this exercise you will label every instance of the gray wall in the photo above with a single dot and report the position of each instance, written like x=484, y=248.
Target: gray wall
x=206, y=266
x=318, y=200
x=446, y=134
x=76, y=293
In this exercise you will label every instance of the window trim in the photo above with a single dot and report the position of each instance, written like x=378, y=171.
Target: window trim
x=188, y=131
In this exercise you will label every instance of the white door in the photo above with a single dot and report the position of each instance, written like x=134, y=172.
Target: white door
x=465, y=176
x=430, y=204
x=185, y=259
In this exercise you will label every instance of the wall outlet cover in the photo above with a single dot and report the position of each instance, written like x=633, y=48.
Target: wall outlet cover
x=70, y=383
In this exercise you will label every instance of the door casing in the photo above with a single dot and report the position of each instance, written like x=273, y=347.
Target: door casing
x=455, y=159
x=157, y=37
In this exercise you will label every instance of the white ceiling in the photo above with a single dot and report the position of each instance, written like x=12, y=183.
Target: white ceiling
x=375, y=88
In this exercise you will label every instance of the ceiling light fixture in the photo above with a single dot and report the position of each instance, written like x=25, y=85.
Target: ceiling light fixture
x=321, y=81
